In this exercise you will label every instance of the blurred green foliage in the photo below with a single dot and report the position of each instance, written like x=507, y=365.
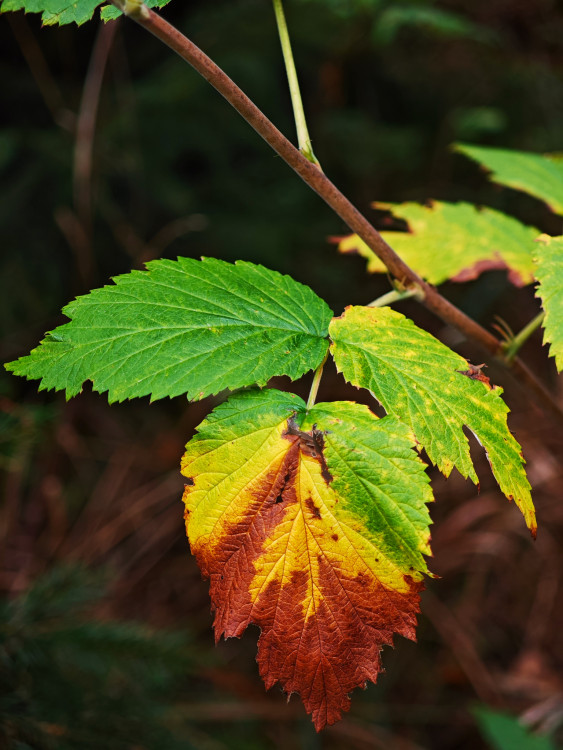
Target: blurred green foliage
x=70, y=681
x=505, y=732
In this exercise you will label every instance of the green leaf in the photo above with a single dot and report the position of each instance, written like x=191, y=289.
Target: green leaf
x=380, y=478
x=65, y=11
x=454, y=241
x=185, y=326
x=549, y=272
x=314, y=528
x=55, y=11
x=435, y=391
x=441, y=23
x=504, y=732
x=537, y=174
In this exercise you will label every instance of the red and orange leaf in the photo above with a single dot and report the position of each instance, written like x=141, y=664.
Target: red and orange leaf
x=313, y=527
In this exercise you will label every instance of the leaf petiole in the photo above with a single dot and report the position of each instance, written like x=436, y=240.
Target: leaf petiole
x=394, y=296
x=315, y=384
x=296, y=101
x=512, y=346
x=133, y=8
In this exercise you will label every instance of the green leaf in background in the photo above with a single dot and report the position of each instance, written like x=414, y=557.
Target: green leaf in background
x=455, y=241
x=72, y=680
x=549, y=272
x=442, y=23
x=435, y=391
x=65, y=11
x=537, y=174
x=504, y=732
x=185, y=326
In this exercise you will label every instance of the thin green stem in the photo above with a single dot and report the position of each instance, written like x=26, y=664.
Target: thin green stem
x=512, y=347
x=298, y=112
x=394, y=296
x=315, y=384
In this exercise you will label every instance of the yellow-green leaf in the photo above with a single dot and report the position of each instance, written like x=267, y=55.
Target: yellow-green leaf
x=455, y=241
x=549, y=272
x=435, y=391
x=541, y=175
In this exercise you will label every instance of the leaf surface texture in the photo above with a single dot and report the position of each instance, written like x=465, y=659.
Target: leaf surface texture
x=185, y=326
x=64, y=11
x=313, y=527
x=422, y=382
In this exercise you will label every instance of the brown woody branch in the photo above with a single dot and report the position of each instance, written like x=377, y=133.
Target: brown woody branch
x=318, y=181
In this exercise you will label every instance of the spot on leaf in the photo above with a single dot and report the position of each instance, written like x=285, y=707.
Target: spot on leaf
x=475, y=372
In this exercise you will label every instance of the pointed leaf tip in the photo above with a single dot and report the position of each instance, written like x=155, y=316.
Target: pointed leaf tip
x=540, y=175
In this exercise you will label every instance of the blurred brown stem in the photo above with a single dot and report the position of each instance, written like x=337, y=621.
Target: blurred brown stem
x=39, y=69
x=86, y=125
x=320, y=183
x=458, y=640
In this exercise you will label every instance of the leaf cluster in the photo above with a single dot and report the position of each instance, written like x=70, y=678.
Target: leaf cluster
x=311, y=519
x=316, y=511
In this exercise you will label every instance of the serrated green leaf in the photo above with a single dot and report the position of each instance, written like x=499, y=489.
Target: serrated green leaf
x=55, y=11
x=185, y=326
x=454, y=241
x=64, y=11
x=537, y=174
x=549, y=272
x=421, y=381
x=313, y=527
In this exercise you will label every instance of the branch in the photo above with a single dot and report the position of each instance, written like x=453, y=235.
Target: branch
x=318, y=181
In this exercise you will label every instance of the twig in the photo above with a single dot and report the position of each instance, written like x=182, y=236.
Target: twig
x=40, y=71
x=320, y=183
x=512, y=346
x=395, y=295
x=298, y=112
x=457, y=639
x=315, y=384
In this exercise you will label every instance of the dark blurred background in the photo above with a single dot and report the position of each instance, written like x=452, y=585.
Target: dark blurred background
x=114, y=152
